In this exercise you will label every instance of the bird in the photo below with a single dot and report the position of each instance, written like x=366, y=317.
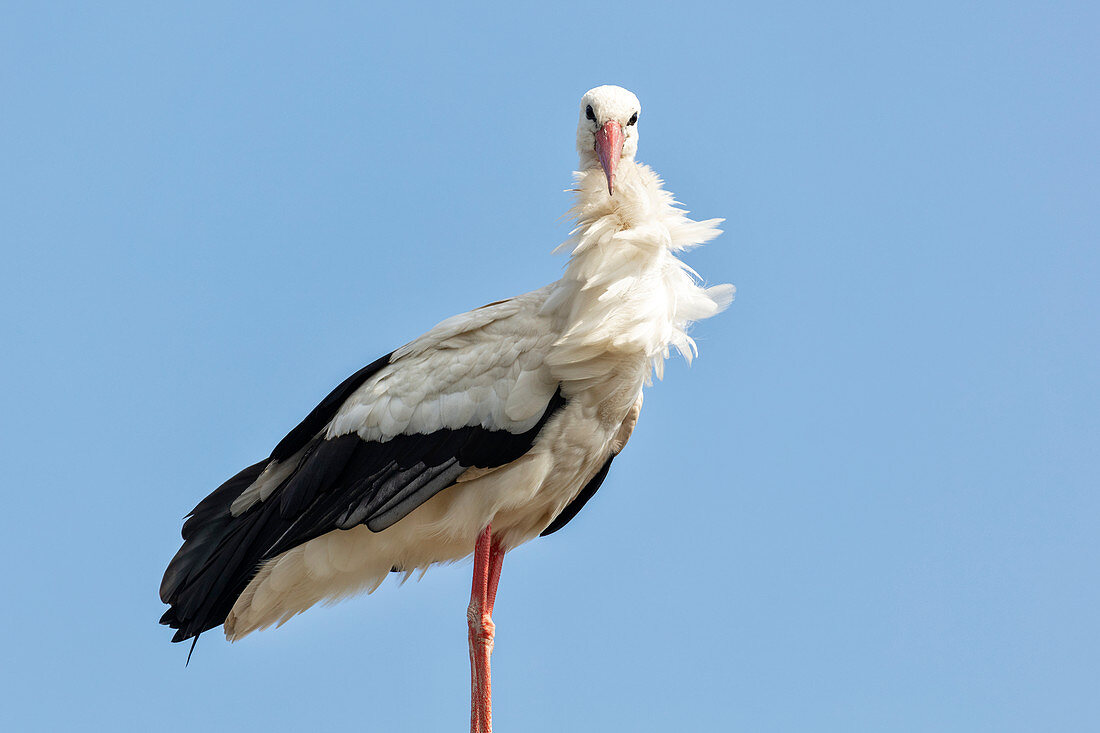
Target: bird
x=495, y=427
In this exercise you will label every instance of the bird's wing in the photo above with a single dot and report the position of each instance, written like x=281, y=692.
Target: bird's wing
x=473, y=392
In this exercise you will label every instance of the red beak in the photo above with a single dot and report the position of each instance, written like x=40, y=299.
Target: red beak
x=609, y=146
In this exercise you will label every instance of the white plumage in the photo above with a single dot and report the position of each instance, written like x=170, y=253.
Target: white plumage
x=595, y=337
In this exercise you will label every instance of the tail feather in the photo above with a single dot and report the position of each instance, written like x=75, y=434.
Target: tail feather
x=196, y=580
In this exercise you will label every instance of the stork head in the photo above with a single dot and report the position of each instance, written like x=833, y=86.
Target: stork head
x=607, y=133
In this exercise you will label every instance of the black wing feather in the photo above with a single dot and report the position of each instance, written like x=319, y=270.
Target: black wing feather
x=320, y=416
x=339, y=483
x=325, y=464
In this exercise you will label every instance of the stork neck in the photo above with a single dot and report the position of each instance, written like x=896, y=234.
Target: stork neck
x=612, y=229
x=624, y=290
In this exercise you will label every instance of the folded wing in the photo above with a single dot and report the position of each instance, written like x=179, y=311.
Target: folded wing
x=471, y=393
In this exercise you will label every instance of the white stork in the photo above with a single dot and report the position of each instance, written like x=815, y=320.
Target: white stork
x=491, y=429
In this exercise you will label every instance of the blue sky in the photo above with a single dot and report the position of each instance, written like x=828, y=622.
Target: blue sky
x=870, y=505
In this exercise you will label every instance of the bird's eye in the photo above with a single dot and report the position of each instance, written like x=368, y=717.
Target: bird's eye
x=633, y=119
x=589, y=113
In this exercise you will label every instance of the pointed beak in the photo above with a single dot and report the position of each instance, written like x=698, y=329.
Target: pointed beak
x=609, y=147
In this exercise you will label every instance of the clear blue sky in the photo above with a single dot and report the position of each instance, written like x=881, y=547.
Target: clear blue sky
x=871, y=505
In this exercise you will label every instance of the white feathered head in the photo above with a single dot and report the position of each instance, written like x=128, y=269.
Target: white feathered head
x=608, y=129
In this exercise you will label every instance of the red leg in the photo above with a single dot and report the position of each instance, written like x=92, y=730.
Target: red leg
x=488, y=559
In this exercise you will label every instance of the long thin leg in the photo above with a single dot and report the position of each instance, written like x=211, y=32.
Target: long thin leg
x=473, y=618
x=488, y=560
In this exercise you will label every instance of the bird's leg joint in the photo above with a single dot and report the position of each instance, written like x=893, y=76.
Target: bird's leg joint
x=482, y=628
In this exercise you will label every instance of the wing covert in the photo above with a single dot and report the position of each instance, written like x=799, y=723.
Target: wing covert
x=471, y=393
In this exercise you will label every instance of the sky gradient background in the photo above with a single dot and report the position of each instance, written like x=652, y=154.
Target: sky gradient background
x=871, y=504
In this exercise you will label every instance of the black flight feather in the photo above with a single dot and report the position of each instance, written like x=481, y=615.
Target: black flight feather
x=320, y=416
x=338, y=483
